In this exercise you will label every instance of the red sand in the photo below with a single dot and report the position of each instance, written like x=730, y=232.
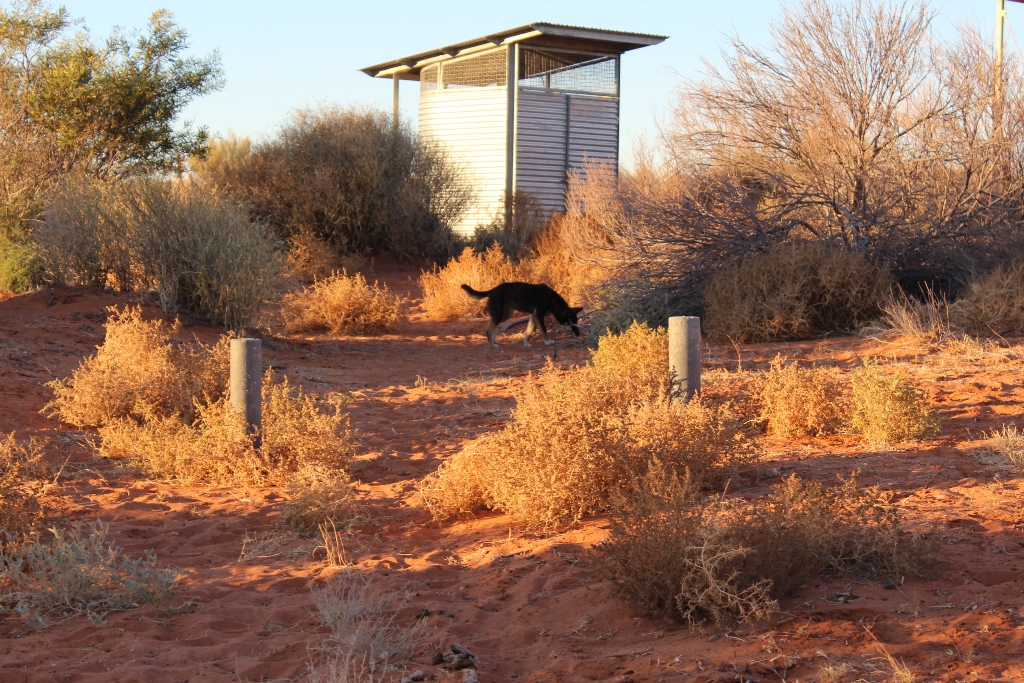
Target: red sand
x=532, y=608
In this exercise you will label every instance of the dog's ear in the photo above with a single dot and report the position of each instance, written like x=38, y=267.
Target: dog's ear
x=576, y=311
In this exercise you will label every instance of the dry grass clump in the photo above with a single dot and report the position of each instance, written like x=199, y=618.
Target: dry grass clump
x=927, y=319
x=797, y=401
x=889, y=407
x=993, y=304
x=366, y=631
x=600, y=423
x=298, y=432
x=24, y=478
x=443, y=298
x=342, y=305
x=1009, y=444
x=139, y=371
x=677, y=554
x=794, y=291
x=80, y=572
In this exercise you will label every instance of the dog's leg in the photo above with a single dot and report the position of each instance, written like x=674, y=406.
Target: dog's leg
x=492, y=334
x=543, y=328
x=529, y=330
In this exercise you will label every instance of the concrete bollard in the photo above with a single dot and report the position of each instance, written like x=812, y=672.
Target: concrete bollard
x=684, y=356
x=246, y=386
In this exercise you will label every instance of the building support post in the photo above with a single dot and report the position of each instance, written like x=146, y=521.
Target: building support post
x=394, y=102
x=246, y=384
x=684, y=357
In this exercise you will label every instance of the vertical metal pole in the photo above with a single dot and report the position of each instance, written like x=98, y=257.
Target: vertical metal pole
x=246, y=388
x=684, y=356
x=394, y=103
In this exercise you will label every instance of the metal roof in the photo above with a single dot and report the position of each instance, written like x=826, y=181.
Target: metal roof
x=540, y=34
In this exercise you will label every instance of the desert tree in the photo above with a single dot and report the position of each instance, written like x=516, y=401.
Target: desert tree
x=107, y=110
x=856, y=126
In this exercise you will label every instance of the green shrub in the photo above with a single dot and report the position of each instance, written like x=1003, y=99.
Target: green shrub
x=794, y=291
x=889, y=407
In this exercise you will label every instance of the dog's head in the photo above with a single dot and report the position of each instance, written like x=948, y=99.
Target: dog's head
x=571, y=318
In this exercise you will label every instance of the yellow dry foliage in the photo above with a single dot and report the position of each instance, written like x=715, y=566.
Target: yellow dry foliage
x=578, y=435
x=298, y=432
x=889, y=407
x=797, y=401
x=139, y=371
x=342, y=304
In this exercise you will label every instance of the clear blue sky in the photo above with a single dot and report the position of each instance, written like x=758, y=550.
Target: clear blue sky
x=281, y=55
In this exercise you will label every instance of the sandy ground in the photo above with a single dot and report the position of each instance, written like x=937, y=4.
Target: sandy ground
x=532, y=608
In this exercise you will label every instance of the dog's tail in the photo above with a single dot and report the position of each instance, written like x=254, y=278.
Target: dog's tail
x=475, y=294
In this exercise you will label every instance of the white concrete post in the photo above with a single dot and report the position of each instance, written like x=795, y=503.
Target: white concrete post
x=684, y=356
x=246, y=386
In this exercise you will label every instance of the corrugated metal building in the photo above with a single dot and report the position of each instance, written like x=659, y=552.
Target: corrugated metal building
x=521, y=109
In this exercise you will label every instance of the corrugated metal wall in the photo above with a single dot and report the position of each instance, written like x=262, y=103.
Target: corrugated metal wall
x=472, y=125
x=593, y=130
x=542, y=162
x=541, y=147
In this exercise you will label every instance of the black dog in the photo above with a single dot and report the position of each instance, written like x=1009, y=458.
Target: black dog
x=537, y=300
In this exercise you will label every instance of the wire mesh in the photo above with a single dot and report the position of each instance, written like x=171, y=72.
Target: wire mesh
x=567, y=71
x=428, y=77
x=479, y=71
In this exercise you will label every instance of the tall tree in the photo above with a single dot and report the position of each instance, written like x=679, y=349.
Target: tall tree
x=110, y=109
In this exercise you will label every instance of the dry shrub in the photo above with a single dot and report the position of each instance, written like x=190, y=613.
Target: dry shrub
x=443, y=297
x=794, y=291
x=298, y=432
x=797, y=401
x=577, y=436
x=80, y=573
x=343, y=305
x=366, y=630
x=139, y=371
x=197, y=250
x=677, y=554
x=352, y=178
x=670, y=552
x=24, y=478
x=993, y=304
x=311, y=258
x=318, y=495
x=889, y=407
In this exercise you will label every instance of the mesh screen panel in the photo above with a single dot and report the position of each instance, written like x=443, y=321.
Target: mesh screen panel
x=428, y=78
x=488, y=69
x=567, y=71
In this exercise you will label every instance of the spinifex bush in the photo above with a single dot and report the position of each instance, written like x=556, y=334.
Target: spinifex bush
x=24, y=477
x=139, y=371
x=443, y=297
x=80, y=573
x=797, y=401
x=342, y=305
x=677, y=554
x=600, y=423
x=889, y=407
x=795, y=291
x=298, y=432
